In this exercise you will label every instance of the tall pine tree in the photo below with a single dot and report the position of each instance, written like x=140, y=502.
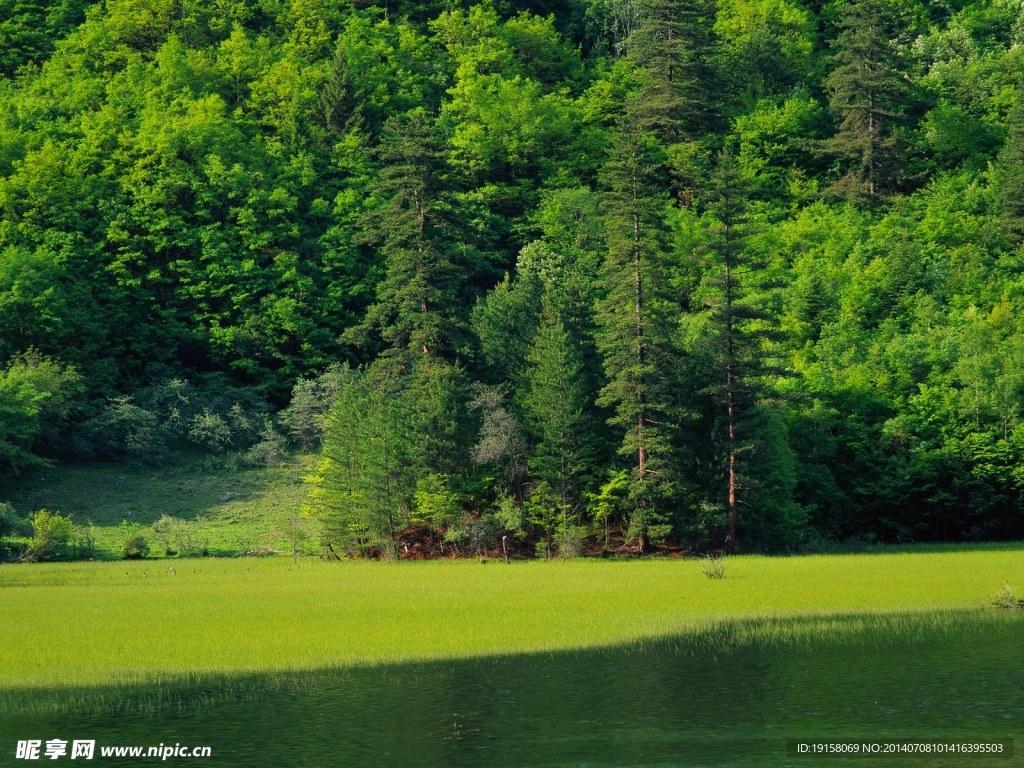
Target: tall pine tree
x=869, y=93
x=736, y=289
x=417, y=311
x=673, y=48
x=555, y=402
x=635, y=325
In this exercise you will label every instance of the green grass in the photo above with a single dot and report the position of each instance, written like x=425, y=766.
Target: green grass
x=83, y=624
x=233, y=510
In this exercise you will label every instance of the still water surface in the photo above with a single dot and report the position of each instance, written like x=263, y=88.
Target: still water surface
x=661, y=704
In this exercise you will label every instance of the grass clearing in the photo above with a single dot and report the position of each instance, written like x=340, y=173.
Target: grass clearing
x=90, y=624
x=233, y=510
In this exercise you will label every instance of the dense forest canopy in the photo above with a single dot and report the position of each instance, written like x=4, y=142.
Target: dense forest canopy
x=742, y=274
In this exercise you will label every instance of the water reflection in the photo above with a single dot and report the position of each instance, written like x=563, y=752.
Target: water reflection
x=663, y=704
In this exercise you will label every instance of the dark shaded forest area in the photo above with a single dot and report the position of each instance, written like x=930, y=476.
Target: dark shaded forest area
x=741, y=275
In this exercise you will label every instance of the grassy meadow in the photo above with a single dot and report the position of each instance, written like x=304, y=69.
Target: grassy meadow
x=82, y=624
x=231, y=511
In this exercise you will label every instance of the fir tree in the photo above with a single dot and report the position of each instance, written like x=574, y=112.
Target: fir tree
x=673, y=47
x=364, y=481
x=869, y=93
x=736, y=288
x=417, y=308
x=555, y=402
x=635, y=324
x=1010, y=171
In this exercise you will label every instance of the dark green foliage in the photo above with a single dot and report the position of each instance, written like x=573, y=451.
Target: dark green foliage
x=415, y=311
x=555, y=403
x=870, y=93
x=1011, y=171
x=672, y=46
x=11, y=523
x=635, y=326
x=736, y=337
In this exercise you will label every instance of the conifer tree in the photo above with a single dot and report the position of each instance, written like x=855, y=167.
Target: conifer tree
x=1010, y=171
x=417, y=308
x=364, y=482
x=555, y=402
x=741, y=327
x=869, y=92
x=635, y=323
x=673, y=47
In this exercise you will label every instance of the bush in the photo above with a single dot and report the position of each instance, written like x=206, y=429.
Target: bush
x=51, y=532
x=1006, y=598
x=164, y=530
x=134, y=545
x=570, y=540
x=713, y=566
x=126, y=430
x=84, y=540
x=269, y=451
x=37, y=398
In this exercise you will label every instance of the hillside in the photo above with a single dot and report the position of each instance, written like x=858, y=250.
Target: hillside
x=744, y=275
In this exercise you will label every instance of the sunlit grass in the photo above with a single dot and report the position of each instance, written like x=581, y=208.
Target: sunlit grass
x=231, y=510
x=103, y=623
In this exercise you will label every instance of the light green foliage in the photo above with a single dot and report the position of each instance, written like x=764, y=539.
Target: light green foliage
x=436, y=505
x=768, y=45
x=51, y=534
x=37, y=397
x=363, y=486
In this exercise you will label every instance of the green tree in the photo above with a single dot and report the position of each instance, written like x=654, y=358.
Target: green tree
x=672, y=46
x=1010, y=171
x=417, y=307
x=51, y=533
x=739, y=325
x=556, y=408
x=363, y=484
x=635, y=326
x=37, y=398
x=869, y=92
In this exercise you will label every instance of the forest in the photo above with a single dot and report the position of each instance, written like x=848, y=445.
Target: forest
x=743, y=275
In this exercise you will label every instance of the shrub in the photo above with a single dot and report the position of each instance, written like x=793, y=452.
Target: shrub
x=124, y=429
x=51, y=532
x=713, y=566
x=165, y=530
x=84, y=540
x=1006, y=598
x=210, y=431
x=134, y=545
x=269, y=451
x=570, y=540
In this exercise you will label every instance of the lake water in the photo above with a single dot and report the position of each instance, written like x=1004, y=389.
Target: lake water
x=665, y=703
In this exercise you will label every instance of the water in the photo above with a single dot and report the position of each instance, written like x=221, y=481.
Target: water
x=663, y=704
